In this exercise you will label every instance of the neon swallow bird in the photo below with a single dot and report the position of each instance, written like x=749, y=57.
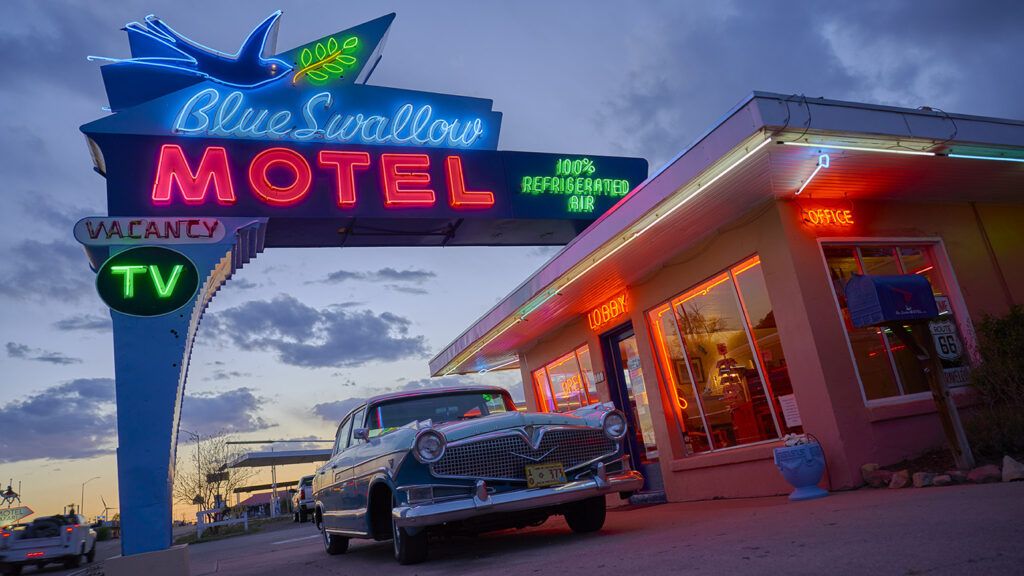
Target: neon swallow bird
x=156, y=47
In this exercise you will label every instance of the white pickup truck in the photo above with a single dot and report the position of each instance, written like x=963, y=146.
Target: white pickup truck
x=46, y=540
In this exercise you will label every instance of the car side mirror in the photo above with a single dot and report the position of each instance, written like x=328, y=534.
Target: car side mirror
x=361, y=434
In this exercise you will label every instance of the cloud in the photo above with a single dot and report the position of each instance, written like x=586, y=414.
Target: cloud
x=87, y=322
x=243, y=284
x=301, y=335
x=407, y=289
x=39, y=426
x=25, y=352
x=697, y=61
x=336, y=410
x=227, y=375
x=231, y=412
x=46, y=272
x=386, y=274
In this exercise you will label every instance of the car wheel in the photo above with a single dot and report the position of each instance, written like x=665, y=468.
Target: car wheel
x=72, y=561
x=91, y=556
x=409, y=548
x=303, y=517
x=13, y=570
x=333, y=543
x=586, y=515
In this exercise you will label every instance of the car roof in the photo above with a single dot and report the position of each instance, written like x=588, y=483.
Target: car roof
x=433, y=392
x=422, y=392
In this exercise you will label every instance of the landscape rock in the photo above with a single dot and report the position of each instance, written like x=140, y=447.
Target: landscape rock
x=985, y=474
x=900, y=479
x=1012, y=470
x=923, y=479
x=957, y=476
x=878, y=478
x=942, y=480
x=867, y=469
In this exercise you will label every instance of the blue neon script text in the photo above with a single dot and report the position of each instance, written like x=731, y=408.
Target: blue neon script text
x=207, y=113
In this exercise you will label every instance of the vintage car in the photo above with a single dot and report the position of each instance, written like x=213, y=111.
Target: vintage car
x=465, y=460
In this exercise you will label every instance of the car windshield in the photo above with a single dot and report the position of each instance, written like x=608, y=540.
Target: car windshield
x=387, y=416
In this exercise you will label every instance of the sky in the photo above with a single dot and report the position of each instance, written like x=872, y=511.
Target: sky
x=640, y=78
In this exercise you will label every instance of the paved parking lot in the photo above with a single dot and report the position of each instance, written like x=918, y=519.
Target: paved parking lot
x=954, y=530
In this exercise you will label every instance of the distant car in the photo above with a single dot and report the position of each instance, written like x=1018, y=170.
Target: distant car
x=64, y=539
x=465, y=460
x=302, y=499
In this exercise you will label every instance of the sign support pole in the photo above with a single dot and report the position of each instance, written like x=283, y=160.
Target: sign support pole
x=151, y=358
x=948, y=414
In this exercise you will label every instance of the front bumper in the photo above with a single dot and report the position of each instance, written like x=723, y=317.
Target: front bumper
x=421, y=515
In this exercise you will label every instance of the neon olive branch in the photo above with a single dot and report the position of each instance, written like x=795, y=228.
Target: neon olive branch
x=323, y=60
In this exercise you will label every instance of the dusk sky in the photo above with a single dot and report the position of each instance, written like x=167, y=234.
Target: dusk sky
x=620, y=78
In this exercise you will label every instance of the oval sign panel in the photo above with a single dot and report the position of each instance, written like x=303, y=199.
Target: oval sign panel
x=147, y=281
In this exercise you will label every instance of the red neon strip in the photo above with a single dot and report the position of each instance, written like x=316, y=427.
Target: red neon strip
x=345, y=164
x=702, y=290
x=172, y=168
x=666, y=369
x=458, y=195
x=396, y=170
x=277, y=195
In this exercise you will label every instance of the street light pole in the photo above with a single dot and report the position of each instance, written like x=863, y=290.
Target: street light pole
x=199, y=467
x=81, y=507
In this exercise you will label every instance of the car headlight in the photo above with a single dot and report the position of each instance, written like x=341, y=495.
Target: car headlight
x=429, y=446
x=614, y=424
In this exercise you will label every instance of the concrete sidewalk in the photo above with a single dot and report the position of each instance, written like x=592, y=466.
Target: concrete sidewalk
x=953, y=530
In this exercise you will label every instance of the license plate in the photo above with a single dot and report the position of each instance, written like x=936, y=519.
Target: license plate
x=539, y=475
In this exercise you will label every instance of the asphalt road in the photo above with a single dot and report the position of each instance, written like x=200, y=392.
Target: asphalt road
x=952, y=530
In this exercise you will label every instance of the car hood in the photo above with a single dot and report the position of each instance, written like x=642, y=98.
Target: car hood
x=459, y=429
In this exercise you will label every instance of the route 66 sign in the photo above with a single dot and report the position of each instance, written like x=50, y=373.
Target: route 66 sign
x=947, y=344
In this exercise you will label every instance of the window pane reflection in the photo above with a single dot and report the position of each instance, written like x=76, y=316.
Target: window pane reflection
x=731, y=392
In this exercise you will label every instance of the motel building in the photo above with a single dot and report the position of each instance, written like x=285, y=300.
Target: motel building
x=708, y=303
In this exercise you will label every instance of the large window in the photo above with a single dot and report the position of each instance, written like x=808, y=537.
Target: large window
x=885, y=365
x=567, y=383
x=720, y=356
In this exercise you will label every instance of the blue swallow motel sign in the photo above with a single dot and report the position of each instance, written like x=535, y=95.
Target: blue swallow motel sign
x=210, y=158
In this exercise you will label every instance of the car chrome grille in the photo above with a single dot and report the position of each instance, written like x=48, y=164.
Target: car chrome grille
x=506, y=456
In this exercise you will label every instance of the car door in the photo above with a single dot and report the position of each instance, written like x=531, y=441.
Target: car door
x=329, y=478
x=351, y=496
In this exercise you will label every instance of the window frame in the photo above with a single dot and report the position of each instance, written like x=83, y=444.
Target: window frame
x=960, y=312
x=575, y=353
x=351, y=439
x=730, y=277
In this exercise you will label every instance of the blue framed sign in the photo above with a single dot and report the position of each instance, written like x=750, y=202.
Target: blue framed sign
x=299, y=138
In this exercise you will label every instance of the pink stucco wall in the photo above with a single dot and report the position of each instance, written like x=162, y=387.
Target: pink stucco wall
x=824, y=377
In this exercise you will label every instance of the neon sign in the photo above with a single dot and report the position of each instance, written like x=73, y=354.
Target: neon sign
x=607, y=313
x=147, y=281
x=575, y=178
x=99, y=231
x=298, y=135
x=208, y=113
x=405, y=179
x=826, y=217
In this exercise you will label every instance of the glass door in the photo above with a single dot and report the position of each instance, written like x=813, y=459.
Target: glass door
x=629, y=394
